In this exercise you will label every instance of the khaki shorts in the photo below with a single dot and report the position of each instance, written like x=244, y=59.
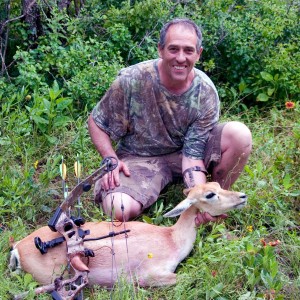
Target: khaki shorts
x=150, y=175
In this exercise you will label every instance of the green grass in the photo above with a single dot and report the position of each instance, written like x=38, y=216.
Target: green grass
x=230, y=260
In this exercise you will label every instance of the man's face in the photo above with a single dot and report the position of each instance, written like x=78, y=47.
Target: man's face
x=179, y=55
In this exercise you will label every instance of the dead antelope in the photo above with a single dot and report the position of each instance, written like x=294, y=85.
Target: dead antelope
x=154, y=252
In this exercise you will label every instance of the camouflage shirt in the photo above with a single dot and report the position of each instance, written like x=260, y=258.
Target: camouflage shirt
x=147, y=120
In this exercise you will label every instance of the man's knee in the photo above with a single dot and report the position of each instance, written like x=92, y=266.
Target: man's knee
x=238, y=136
x=121, y=206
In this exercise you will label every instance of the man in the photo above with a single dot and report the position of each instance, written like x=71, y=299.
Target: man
x=164, y=114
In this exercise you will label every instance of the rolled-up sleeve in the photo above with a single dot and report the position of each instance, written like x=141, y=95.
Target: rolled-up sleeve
x=207, y=117
x=111, y=112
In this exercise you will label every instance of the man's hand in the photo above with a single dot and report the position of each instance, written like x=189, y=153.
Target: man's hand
x=205, y=217
x=103, y=144
x=112, y=179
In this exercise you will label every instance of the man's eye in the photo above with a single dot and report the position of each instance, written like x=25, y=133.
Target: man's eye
x=190, y=51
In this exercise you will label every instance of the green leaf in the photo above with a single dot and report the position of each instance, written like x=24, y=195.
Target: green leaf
x=51, y=139
x=250, y=247
x=262, y=97
x=294, y=194
x=63, y=103
x=47, y=104
x=216, y=290
x=266, y=76
x=270, y=91
x=273, y=268
x=61, y=121
x=39, y=120
x=27, y=279
x=146, y=219
x=242, y=86
x=266, y=278
x=287, y=181
x=248, y=170
x=246, y=296
x=5, y=141
x=55, y=91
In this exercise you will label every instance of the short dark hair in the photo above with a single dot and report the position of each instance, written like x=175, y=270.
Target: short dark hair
x=185, y=22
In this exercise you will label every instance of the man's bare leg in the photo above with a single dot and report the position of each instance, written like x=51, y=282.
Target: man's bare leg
x=123, y=206
x=236, y=145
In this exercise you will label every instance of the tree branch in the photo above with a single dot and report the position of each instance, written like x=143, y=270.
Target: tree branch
x=17, y=18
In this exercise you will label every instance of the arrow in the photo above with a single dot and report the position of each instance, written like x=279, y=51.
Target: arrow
x=63, y=174
x=77, y=169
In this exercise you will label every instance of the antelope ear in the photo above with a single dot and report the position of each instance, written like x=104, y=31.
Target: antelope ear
x=180, y=208
x=186, y=191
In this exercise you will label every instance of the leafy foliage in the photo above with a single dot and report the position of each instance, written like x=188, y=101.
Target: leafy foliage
x=251, y=46
x=248, y=46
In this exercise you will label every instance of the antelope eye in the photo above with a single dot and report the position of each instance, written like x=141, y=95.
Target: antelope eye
x=210, y=195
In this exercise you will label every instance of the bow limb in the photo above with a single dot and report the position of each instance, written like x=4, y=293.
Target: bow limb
x=61, y=289
x=40, y=290
x=108, y=164
x=64, y=224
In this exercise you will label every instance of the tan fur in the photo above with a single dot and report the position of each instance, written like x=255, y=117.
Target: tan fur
x=153, y=251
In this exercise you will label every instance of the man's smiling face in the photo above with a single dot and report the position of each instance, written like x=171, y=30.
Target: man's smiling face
x=179, y=55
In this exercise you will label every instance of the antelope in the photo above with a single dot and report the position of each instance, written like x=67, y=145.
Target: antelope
x=148, y=255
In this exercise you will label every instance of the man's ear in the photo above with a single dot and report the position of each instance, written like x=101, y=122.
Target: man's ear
x=159, y=50
x=200, y=52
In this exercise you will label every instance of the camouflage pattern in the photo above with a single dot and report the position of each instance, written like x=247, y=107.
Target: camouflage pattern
x=150, y=175
x=147, y=120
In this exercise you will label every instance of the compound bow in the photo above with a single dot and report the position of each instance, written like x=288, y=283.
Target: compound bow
x=73, y=235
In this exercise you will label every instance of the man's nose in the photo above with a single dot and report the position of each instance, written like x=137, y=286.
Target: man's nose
x=181, y=56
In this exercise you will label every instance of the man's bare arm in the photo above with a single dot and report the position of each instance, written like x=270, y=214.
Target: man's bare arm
x=193, y=177
x=193, y=171
x=103, y=144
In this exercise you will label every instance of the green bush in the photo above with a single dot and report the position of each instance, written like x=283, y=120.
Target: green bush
x=252, y=48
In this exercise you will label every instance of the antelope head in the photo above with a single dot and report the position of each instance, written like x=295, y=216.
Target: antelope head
x=211, y=198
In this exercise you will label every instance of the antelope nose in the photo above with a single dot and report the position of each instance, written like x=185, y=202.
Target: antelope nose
x=243, y=196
